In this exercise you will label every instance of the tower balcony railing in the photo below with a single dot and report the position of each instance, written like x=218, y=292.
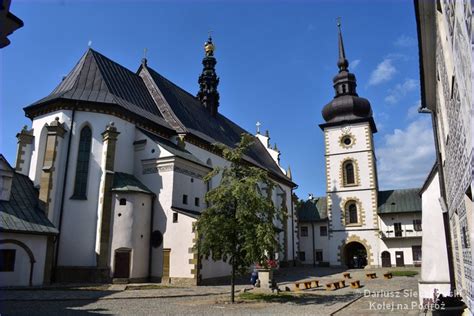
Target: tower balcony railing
x=404, y=233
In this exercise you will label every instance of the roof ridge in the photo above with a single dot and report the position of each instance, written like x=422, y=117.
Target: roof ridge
x=168, y=113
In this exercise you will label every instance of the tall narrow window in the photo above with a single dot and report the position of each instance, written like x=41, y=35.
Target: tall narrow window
x=352, y=210
x=82, y=167
x=349, y=175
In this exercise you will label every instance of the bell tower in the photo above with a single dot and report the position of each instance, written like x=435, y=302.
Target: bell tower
x=351, y=177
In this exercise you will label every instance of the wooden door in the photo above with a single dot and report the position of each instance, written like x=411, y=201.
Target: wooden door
x=399, y=258
x=386, y=261
x=166, y=264
x=122, y=264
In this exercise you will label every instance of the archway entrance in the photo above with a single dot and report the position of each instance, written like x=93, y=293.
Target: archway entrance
x=355, y=255
x=386, y=261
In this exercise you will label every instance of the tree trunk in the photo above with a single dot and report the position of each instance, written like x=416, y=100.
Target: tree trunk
x=232, y=283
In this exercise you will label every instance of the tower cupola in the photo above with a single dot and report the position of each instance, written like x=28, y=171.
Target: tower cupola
x=346, y=106
x=208, y=80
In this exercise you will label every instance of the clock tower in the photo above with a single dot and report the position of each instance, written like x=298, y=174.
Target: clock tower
x=351, y=177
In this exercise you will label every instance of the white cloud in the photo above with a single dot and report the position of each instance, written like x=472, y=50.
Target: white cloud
x=406, y=156
x=384, y=72
x=354, y=64
x=405, y=41
x=400, y=90
x=413, y=110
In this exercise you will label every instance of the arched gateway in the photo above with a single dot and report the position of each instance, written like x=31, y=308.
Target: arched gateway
x=354, y=255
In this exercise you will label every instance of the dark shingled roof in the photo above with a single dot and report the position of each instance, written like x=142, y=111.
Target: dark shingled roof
x=313, y=210
x=125, y=182
x=98, y=79
x=22, y=214
x=199, y=122
x=399, y=201
x=390, y=201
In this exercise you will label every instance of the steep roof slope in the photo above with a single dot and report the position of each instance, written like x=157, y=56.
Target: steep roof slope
x=399, y=201
x=96, y=78
x=199, y=122
x=22, y=214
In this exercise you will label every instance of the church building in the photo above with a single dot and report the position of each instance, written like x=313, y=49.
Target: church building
x=356, y=225
x=118, y=158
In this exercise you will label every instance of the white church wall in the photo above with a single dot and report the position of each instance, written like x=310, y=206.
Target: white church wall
x=131, y=230
x=359, y=133
x=20, y=276
x=75, y=251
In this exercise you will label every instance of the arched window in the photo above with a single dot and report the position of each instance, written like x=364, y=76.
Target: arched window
x=82, y=167
x=352, y=213
x=349, y=174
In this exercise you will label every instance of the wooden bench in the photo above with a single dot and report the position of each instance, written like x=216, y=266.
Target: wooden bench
x=355, y=284
x=332, y=286
x=315, y=283
x=347, y=275
x=388, y=275
x=342, y=283
x=371, y=275
x=304, y=285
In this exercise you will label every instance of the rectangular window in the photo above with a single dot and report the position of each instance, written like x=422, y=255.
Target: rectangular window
x=196, y=201
x=323, y=231
x=302, y=256
x=304, y=231
x=175, y=217
x=398, y=229
x=319, y=255
x=416, y=250
x=417, y=225
x=7, y=260
x=185, y=199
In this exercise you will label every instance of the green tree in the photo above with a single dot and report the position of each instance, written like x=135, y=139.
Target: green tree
x=239, y=225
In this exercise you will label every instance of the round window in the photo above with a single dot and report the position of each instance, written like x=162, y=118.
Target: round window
x=346, y=140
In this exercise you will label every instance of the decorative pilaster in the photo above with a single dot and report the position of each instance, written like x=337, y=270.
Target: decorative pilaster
x=105, y=195
x=56, y=132
x=23, y=156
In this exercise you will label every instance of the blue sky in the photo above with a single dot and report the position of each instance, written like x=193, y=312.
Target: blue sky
x=276, y=61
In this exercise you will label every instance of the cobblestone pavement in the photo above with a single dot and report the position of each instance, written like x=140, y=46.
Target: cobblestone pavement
x=212, y=300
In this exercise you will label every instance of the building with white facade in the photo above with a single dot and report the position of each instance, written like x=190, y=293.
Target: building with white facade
x=355, y=224
x=27, y=235
x=445, y=48
x=119, y=159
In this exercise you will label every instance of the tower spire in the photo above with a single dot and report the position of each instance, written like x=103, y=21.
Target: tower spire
x=342, y=63
x=208, y=80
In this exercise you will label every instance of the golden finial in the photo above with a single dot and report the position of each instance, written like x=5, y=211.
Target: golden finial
x=209, y=46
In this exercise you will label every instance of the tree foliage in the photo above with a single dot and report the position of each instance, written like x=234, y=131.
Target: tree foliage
x=240, y=225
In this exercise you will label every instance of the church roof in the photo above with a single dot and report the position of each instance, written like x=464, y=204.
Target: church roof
x=399, y=201
x=96, y=78
x=214, y=129
x=313, y=210
x=22, y=213
x=125, y=182
x=99, y=80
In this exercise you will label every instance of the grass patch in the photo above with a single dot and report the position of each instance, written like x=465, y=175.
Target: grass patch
x=148, y=287
x=406, y=273
x=269, y=298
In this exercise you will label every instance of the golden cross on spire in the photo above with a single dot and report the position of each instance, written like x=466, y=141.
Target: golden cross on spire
x=145, y=51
